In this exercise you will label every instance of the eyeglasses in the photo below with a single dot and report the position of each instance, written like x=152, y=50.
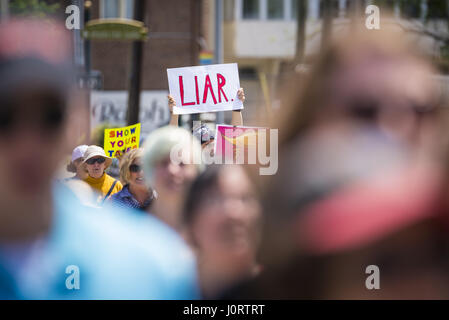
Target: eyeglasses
x=135, y=168
x=98, y=160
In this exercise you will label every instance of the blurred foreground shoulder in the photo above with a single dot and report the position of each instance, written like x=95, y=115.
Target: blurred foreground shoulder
x=122, y=253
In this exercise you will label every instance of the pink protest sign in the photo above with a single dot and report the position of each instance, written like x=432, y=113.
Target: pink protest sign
x=242, y=143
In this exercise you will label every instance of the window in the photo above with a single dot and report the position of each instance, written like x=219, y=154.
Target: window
x=250, y=9
x=248, y=73
x=275, y=9
x=117, y=9
x=110, y=8
x=294, y=9
x=129, y=9
x=267, y=9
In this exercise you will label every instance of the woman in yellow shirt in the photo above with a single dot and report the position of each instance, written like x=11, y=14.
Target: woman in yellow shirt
x=96, y=163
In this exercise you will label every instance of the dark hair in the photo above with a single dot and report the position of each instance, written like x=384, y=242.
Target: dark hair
x=200, y=187
x=71, y=167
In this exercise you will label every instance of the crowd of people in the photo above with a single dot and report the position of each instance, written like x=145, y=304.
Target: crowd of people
x=362, y=181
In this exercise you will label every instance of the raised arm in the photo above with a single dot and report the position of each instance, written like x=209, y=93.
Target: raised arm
x=237, y=118
x=173, y=117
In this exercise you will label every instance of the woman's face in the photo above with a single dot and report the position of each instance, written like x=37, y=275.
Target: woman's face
x=225, y=228
x=136, y=176
x=394, y=89
x=171, y=179
x=96, y=169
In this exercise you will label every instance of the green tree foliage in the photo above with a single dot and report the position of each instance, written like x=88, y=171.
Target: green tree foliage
x=437, y=9
x=410, y=8
x=386, y=4
x=97, y=136
x=37, y=8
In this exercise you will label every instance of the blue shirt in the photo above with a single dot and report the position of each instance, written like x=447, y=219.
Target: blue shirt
x=119, y=255
x=124, y=198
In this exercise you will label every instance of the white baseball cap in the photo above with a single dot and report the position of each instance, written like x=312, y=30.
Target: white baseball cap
x=78, y=152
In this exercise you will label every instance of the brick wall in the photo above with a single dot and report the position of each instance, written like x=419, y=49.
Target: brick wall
x=174, y=28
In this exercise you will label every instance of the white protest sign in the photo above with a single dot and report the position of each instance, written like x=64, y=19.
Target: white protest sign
x=110, y=107
x=209, y=88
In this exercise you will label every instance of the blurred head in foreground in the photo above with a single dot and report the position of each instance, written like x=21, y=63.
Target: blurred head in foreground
x=222, y=215
x=45, y=232
x=169, y=169
x=369, y=79
x=359, y=179
x=35, y=85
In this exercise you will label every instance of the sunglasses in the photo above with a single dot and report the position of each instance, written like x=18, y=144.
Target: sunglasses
x=98, y=160
x=50, y=116
x=135, y=168
x=365, y=107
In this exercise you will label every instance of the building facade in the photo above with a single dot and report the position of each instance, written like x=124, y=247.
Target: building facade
x=260, y=35
x=174, y=30
x=173, y=41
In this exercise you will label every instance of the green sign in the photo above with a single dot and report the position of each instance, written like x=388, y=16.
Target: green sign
x=115, y=29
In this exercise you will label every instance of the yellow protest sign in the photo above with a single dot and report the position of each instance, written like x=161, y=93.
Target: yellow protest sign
x=117, y=141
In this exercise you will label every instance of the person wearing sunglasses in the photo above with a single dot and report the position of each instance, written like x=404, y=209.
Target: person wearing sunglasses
x=96, y=162
x=135, y=194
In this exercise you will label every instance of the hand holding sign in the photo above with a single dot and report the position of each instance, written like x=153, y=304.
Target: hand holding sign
x=209, y=88
x=172, y=102
x=241, y=95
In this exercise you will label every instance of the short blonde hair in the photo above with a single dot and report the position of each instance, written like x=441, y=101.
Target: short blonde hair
x=126, y=161
x=159, y=144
